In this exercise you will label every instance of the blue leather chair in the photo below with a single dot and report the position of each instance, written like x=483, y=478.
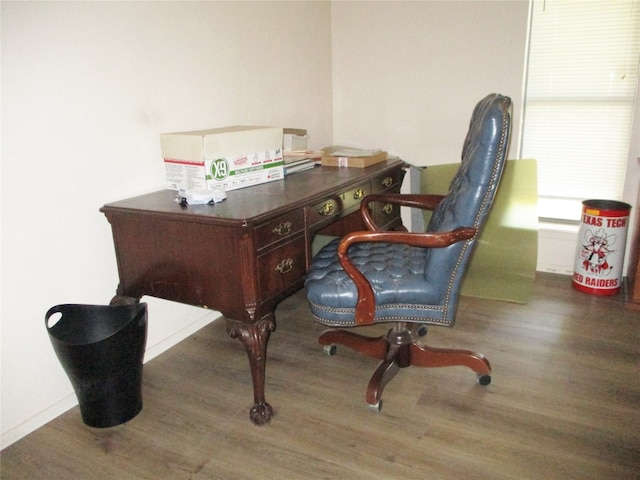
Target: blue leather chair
x=413, y=279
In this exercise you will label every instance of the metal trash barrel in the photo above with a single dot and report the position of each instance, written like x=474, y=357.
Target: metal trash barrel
x=602, y=238
x=101, y=348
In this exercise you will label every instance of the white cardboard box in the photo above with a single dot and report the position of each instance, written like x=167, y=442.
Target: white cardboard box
x=295, y=139
x=224, y=158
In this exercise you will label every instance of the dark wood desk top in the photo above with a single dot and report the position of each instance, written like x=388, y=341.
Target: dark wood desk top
x=259, y=202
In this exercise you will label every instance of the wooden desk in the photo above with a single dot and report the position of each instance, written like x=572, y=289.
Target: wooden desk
x=244, y=255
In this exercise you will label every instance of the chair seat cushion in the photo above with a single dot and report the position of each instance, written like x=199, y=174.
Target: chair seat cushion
x=396, y=273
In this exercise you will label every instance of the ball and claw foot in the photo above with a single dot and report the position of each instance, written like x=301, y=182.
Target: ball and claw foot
x=261, y=413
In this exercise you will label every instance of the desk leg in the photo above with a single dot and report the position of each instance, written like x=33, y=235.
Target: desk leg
x=255, y=338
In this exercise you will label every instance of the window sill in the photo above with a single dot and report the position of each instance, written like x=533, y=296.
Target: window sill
x=556, y=246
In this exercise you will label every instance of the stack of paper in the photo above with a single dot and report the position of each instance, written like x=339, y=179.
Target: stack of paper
x=299, y=161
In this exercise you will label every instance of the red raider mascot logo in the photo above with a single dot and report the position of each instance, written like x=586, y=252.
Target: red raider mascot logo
x=595, y=252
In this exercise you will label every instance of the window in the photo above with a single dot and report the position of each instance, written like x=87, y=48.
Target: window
x=580, y=85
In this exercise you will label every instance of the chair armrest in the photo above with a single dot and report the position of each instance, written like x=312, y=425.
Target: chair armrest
x=425, y=202
x=365, y=306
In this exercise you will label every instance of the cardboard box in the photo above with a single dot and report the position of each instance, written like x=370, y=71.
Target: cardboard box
x=354, y=158
x=224, y=158
x=295, y=139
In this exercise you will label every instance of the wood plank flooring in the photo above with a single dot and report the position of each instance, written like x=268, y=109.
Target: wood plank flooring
x=564, y=404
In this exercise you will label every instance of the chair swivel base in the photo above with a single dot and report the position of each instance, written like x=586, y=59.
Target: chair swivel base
x=398, y=350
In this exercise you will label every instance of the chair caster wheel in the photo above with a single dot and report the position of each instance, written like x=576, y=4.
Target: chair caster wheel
x=375, y=408
x=330, y=349
x=422, y=330
x=484, y=379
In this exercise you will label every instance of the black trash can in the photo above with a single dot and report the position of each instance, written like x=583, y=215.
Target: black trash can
x=101, y=348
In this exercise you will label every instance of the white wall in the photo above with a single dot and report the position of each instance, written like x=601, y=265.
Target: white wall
x=86, y=89
x=406, y=75
x=632, y=176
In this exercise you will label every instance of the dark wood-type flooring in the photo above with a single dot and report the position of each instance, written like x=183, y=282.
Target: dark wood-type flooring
x=564, y=404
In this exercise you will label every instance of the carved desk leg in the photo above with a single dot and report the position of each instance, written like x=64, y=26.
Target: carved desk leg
x=123, y=300
x=255, y=338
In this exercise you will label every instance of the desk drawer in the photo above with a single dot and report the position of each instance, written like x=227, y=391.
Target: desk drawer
x=386, y=215
x=337, y=205
x=390, y=180
x=279, y=229
x=281, y=268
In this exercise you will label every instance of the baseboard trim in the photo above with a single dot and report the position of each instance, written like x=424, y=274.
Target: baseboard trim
x=68, y=402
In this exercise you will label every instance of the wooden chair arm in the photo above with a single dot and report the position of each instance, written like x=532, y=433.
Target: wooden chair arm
x=365, y=306
x=423, y=201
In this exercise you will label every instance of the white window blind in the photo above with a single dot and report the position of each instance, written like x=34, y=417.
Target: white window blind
x=580, y=85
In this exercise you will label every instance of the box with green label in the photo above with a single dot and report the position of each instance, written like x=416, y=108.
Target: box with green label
x=222, y=158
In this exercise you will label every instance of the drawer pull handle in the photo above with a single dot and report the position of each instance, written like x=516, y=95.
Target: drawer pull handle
x=285, y=266
x=388, y=209
x=327, y=209
x=283, y=229
x=387, y=181
x=358, y=194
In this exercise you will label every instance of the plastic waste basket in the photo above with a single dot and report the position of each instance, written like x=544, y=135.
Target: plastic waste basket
x=101, y=349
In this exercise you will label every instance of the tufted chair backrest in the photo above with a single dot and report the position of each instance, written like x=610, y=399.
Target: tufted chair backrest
x=471, y=194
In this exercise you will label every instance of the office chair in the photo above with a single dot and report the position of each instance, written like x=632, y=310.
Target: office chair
x=412, y=279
